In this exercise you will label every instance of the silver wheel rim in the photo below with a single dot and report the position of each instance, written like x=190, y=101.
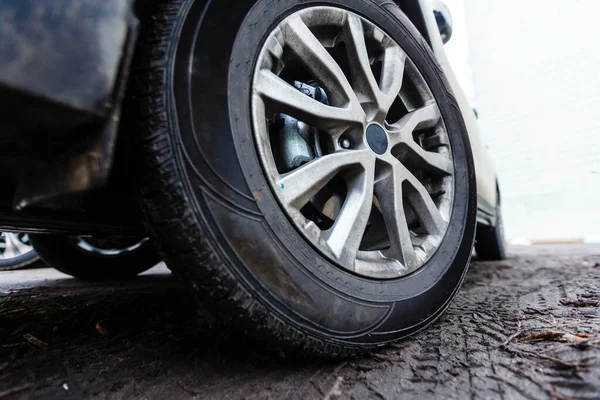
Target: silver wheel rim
x=14, y=245
x=378, y=145
x=88, y=244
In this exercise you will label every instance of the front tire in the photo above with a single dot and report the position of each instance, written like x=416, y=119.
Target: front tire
x=214, y=212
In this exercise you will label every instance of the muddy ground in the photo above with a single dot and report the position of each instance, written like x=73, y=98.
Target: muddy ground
x=527, y=327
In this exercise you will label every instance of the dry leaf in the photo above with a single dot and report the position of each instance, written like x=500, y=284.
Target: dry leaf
x=577, y=338
x=548, y=335
x=580, y=303
x=101, y=330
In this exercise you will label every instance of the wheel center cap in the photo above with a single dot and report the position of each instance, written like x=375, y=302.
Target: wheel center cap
x=377, y=138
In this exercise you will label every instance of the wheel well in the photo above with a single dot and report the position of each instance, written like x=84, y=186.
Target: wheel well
x=412, y=9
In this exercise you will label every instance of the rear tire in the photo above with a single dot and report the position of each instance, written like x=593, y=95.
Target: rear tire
x=64, y=254
x=209, y=207
x=489, y=242
x=19, y=262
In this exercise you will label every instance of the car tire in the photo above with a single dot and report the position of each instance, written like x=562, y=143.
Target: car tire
x=209, y=207
x=489, y=241
x=19, y=262
x=75, y=256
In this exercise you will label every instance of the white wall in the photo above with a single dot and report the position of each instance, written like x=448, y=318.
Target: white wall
x=536, y=74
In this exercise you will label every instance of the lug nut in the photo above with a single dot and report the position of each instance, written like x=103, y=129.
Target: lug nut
x=345, y=143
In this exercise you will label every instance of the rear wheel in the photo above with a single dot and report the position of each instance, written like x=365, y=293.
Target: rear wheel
x=308, y=170
x=94, y=259
x=16, y=251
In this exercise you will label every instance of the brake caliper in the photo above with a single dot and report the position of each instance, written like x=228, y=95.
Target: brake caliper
x=298, y=141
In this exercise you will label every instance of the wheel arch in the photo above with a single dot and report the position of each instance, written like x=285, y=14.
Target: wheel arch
x=414, y=11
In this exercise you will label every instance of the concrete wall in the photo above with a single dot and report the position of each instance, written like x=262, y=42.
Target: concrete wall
x=536, y=75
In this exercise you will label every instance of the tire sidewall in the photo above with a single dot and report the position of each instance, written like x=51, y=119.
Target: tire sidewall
x=18, y=262
x=430, y=288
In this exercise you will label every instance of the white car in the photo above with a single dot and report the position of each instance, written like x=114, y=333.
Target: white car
x=311, y=168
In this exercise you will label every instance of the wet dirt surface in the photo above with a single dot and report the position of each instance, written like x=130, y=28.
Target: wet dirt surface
x=527, y=327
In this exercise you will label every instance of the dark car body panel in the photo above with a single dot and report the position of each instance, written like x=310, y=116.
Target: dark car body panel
x=68, y=51
x=63, y=74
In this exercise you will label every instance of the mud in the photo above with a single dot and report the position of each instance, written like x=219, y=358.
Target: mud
x=527, y=327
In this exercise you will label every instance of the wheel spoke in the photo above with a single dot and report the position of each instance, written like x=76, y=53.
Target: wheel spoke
x=389, y=195
x=401, y=138
x=424, y=117
x=374, y=96
x=346, y=234
x=14, y=247
x=296, y=188
x=422, y=203
x=319, y=62
x=438, y=162
x=362, y=76
x=392, y=74
x=293, y=102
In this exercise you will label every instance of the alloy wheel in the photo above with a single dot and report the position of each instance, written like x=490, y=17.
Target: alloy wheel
x=14, y=245
x=352, y=142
